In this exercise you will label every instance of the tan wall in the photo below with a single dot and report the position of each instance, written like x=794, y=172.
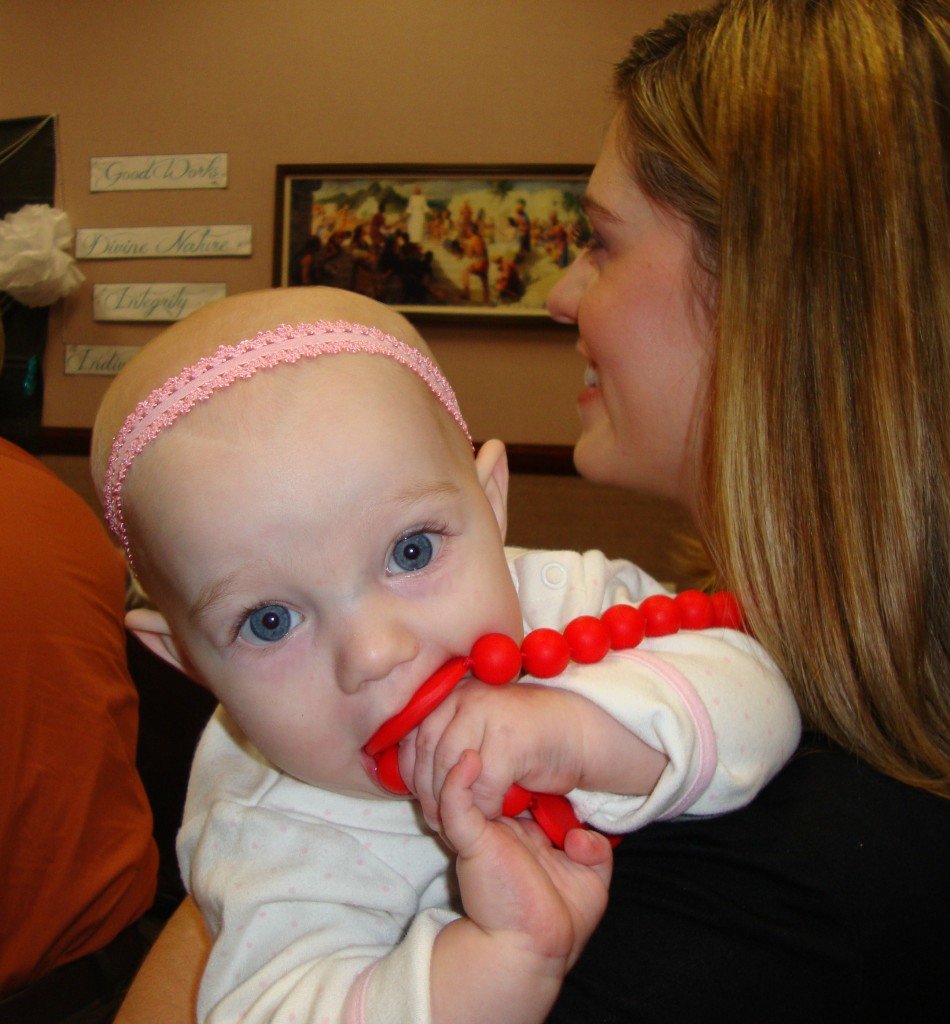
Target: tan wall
x=314, y=81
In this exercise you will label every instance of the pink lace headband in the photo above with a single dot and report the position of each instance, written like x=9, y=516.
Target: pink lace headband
x=229, y=363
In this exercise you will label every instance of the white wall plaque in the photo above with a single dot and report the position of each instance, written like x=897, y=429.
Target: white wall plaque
x=153, y=243
x=151, y=173
x=158, y=301
x=97, y=360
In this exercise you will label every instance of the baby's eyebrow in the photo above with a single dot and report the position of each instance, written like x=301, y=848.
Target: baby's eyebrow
x=213, y=594
x=220, y=590
x=423, y=492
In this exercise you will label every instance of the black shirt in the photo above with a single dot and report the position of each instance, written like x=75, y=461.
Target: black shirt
x=826, y=899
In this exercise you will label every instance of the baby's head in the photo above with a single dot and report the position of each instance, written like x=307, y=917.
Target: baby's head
x=315, y=534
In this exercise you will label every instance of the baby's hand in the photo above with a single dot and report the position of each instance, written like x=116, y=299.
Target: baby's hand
x=532, y=735
x=546, y=739
x=529, y=910
x=514, y=884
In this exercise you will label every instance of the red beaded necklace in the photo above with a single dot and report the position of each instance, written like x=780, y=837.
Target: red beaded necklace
x=544, y=653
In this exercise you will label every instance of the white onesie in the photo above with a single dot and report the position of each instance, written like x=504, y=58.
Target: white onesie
x=324, y=907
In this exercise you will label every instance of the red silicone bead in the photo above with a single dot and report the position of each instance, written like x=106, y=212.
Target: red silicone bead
x=555, y=816
x=696, y=610
x=660, y=614
x=496, y=659
x=588, y=639
x=388, y=774
x=516, y=800
x=545, y=653
x=421, y=704
x=625, y=625
x=726, y=610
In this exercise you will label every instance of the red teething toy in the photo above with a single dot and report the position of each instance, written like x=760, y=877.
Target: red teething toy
x=422, y=703
x=496, y=659
x=545, y=653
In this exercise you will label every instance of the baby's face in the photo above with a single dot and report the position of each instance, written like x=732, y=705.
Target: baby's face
x=317, y=560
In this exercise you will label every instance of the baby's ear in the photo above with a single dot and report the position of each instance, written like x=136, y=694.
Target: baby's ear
x=151, y=628
x=491, y=464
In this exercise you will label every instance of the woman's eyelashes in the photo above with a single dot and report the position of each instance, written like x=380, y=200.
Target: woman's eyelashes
x=594, y=243
x=267, y=624
x=595, y=252
x=413, y=551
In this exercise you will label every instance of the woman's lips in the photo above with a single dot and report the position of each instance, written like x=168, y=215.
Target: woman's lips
x=591, y=385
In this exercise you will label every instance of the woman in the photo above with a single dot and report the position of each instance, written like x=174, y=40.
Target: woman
x=765, y=313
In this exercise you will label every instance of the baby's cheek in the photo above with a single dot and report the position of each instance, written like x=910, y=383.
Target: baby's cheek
x=508, y=618
x=280, y=736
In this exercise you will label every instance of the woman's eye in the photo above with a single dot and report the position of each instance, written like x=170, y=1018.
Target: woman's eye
x=594, y=243
x=412, y=552
x=268, y=624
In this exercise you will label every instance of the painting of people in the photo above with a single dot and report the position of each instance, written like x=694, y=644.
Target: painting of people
x=444, y=241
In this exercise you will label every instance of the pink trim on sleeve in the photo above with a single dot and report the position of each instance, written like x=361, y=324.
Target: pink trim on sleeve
x=705, y=733
x=354, y=1010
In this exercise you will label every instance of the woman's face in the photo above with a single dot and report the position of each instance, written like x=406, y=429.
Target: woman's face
x=643, y=331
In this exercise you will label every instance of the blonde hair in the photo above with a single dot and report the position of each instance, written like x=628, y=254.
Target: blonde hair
x=806, y=142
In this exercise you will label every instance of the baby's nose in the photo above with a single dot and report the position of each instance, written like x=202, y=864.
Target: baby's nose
x=373, y=644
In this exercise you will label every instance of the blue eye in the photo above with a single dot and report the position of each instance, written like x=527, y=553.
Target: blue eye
x=268, y=624
x=412, y=552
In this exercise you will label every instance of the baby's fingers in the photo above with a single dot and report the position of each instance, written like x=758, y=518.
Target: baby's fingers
x=416, y=771
x=592, y=850
x=416, y=761
x=463, y=824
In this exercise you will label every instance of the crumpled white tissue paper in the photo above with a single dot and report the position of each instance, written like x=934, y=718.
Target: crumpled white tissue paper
x=34, y=269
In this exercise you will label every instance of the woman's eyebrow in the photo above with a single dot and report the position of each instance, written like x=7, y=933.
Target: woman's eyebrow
x=590, y=205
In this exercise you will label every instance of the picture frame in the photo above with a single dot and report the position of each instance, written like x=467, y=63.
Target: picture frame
x=433, y=241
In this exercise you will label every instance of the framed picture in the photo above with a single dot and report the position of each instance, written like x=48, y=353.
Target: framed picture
x=432, y=241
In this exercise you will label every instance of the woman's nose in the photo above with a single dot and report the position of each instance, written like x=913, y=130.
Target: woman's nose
x=564, y=297
x=374, y=642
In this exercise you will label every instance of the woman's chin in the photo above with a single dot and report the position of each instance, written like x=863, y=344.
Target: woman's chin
x=592, y=458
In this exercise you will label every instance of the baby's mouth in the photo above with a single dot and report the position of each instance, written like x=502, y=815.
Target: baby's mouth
x=591, y=376
x=370, y=767
x=383, y=771
x=382, y=746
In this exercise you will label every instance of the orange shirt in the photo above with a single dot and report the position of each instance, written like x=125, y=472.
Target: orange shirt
x=77, y=859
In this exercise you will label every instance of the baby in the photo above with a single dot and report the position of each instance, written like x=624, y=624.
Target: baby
x=305, y=513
